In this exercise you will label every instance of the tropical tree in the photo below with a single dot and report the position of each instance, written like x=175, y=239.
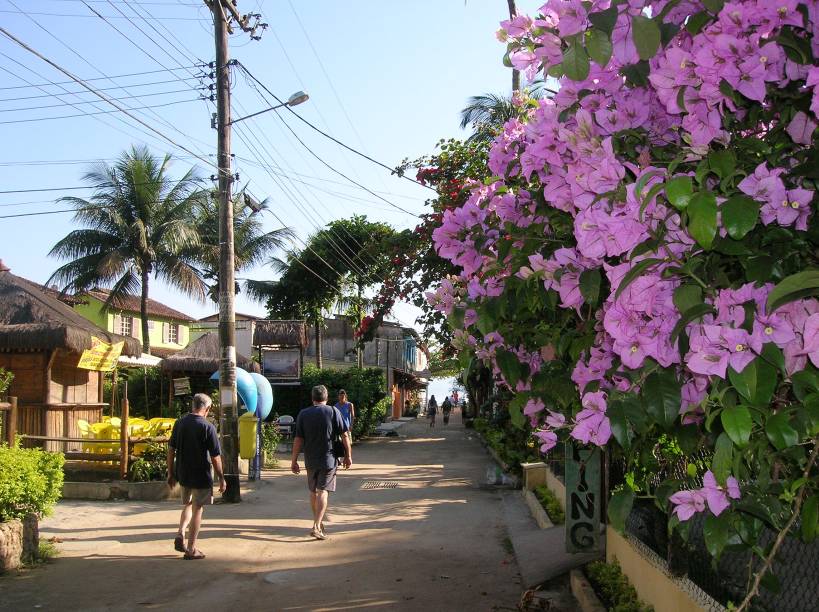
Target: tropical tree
x=487, y=113
x=138, y=222
x=332, y=273
x=252, y=246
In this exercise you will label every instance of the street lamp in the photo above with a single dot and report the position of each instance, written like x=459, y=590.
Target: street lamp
x=294, y=100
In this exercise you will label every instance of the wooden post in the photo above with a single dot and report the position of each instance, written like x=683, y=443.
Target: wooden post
x=123, y=436
x=11, y=429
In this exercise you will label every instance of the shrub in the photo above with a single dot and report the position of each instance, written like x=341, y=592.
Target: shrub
x=151, y=465
x=31, y=481
x=614, y=588
x=270, y=441
x=551, y=504
x=365, y=388
x=6, y=379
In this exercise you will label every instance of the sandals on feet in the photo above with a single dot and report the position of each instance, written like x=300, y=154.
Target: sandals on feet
x=179, y=544
x=196, y=554
x=319, y=535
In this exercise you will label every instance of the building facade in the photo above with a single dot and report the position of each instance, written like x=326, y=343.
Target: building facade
x=169, y=329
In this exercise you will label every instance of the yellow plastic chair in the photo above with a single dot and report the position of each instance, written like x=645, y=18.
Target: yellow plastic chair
x=138, y=430
x=86, y=433
x=115, y=422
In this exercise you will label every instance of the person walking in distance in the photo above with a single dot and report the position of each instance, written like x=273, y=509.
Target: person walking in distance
x=432, y=410
x=317, y=427
x=446, y=408
x=346, y=409
x=192, y=450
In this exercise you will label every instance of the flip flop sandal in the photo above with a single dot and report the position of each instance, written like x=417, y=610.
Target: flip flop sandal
x=318, y=534
x=196, y=554
x=322, y=529
x=179, y=544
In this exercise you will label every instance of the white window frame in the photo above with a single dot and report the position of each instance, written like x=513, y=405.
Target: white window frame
x=173, y=333
x=126, y=325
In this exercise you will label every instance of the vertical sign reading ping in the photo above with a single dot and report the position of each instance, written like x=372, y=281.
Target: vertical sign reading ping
x=582, y=499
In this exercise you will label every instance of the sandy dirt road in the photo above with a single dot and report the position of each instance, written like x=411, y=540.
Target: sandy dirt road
x=433, y=543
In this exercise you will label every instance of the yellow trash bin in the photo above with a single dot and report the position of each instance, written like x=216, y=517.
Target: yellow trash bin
x=247, y=436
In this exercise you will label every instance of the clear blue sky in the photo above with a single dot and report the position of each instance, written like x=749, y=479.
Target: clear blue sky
x=399, y=72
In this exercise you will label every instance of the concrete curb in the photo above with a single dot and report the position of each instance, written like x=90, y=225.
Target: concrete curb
x=120, y=490
x=584, y=593
x=537, y=510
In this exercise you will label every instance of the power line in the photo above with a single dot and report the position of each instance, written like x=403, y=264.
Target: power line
x=87, y=114
x=118, y=99
x=325, y=134
x=45, y=14
x=54, y=212
x=116, y=76
x=101, y=95
x=51, y=95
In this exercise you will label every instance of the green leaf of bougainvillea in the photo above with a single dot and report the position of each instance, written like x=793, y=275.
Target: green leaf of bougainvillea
x=738, y=424
x=780, y=432
x=590, y=285
x=605, y=20
x=619, y=425
x=516, y=415
x=619, y=508
x=679, y=191
x=723, y=457
x=576, y=62
x=810, y=518
x=692, y=314
x=661, y=396
x=739, y=215
x=756, y=382
x=702, y=218
x=716, y=532
x=646, y=35
x=687, y=296
x=509, y=366
x=794, y=287
x=598, y=45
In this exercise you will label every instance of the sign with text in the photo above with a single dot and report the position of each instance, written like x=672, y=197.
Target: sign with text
x=281, y=363
x=182, y=386
x=582, y=499
x=101, y=357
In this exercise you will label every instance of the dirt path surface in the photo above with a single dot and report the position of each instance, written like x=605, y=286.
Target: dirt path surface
x=433, y=543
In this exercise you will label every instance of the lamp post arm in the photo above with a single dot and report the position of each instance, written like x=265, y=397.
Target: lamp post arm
x=258, y=113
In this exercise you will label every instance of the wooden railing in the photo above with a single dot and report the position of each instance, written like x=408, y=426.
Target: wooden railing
x=8, y=417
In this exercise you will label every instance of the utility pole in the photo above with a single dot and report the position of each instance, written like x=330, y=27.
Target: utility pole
x=513, y=12
x=227, y=316
x=223, y=11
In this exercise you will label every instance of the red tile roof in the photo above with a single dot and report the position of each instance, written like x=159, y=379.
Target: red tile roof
x=131, y=303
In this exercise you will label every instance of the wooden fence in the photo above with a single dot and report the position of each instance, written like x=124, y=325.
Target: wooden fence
x=8, y=419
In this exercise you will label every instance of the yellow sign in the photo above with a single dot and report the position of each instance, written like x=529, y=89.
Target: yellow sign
x=101, y=357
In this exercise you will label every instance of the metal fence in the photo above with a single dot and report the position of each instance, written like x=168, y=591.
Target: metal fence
x=796, y=567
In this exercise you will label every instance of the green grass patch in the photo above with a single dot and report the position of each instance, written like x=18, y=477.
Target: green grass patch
x=551, y=504
x=613, y=587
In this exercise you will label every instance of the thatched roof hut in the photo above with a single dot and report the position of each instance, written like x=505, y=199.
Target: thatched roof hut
x=280, y=333
x=33, y=320
x=202, y=355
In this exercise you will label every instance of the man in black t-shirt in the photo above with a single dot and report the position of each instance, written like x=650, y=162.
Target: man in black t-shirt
x=317, y=428
x=192, y=450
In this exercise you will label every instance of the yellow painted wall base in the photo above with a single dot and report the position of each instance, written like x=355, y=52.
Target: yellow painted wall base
x=654, y=586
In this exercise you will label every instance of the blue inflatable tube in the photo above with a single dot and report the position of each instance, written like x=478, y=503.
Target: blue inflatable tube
x=265, y=391
x=246, y=388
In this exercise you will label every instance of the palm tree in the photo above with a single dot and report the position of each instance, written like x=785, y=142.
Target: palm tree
x=487, y=113
x=251, y=244
x=138, y=222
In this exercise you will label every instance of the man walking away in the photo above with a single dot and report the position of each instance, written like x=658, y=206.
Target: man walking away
x=317, y=427
x=193, y=447
x=446, y=408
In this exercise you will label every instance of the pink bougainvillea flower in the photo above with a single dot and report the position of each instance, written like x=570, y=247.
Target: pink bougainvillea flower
x=555, y=420
x=717, y=496
x=533, y=406
x=810, y=338
x=687, y=504
x=801, y=128
x=548, y=440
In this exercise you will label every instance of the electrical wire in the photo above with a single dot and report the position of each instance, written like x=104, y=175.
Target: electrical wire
x=46, y=14
x=87, y=114
x=118, y=99
x=115, y=76
x=51, y=95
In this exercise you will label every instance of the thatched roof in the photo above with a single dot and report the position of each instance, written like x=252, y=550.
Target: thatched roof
x=31, y=320
x=280, y=333
x=202, y=355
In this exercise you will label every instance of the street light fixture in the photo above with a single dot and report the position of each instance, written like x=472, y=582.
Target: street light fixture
x=297, y=98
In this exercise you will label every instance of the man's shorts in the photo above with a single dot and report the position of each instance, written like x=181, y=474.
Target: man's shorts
x=200, y=497
x=323, y=480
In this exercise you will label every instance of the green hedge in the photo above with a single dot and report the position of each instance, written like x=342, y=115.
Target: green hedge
x=365, y=389
x=614, y=588
x=31, y=481
x=551, y=504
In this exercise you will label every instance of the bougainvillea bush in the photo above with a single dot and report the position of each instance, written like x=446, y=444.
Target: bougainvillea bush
x=641, y=262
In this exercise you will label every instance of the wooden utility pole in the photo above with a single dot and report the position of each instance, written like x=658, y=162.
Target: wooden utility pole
x=227, y=315
x=513, y=11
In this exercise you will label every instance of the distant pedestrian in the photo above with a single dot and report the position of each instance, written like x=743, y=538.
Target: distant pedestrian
x=432, y=410
x=346, y=409
x=192, y=450
x=446, y=408
x=317, y=427
x=407, y=407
